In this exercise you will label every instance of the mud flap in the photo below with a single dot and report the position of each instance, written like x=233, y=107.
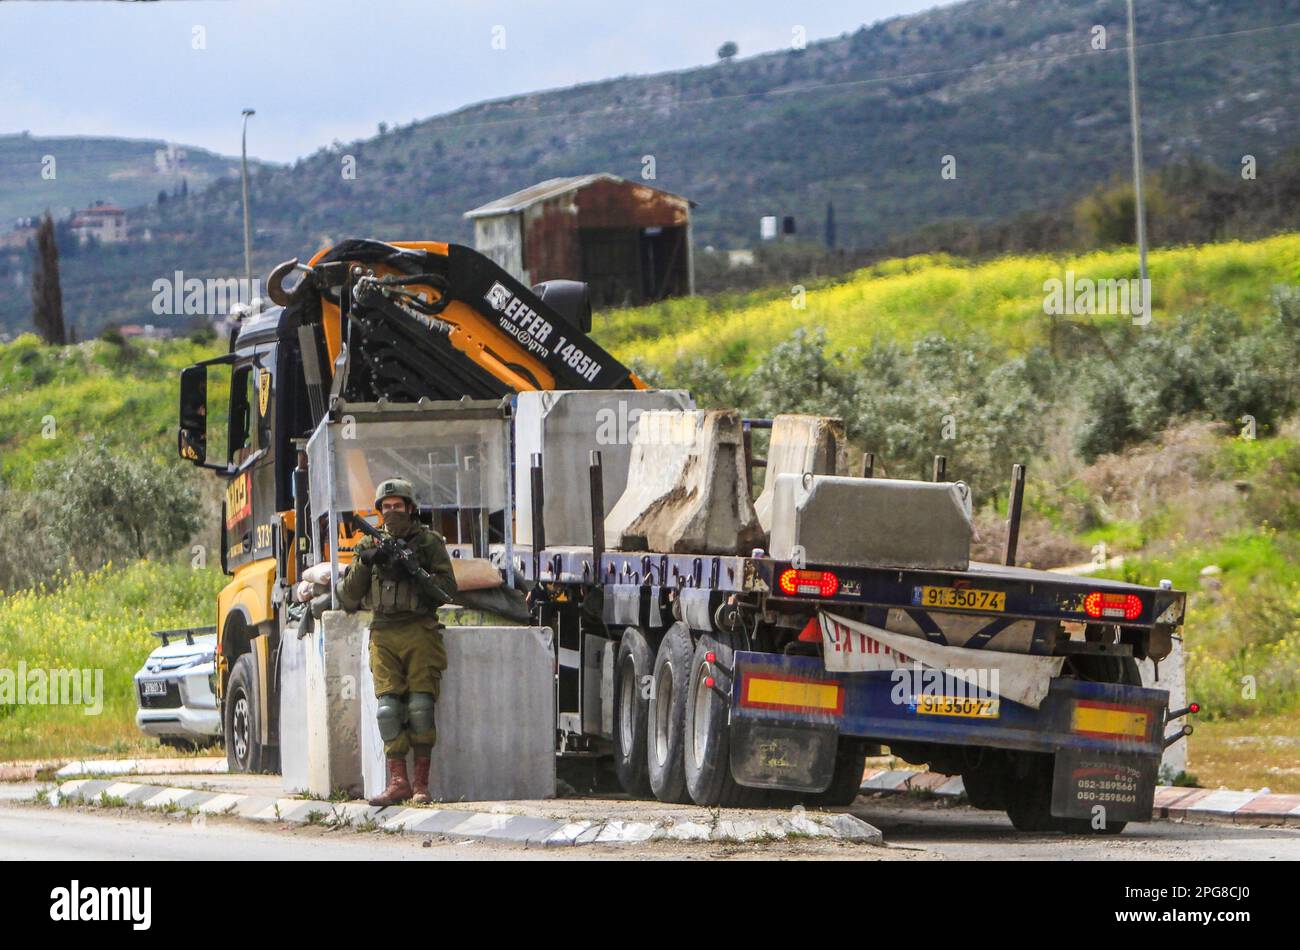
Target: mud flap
x=1123, y=784
x=789, y=756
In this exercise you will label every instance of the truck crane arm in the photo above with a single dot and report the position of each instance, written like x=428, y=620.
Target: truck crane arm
x=440, y=321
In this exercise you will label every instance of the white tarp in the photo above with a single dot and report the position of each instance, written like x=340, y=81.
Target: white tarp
x=850, y=646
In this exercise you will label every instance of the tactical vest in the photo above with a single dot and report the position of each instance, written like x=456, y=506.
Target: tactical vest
x=393, y=594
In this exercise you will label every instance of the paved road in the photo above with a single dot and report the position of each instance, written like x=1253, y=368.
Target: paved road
x=28, y=832
x=961, y=833
x=914, y=830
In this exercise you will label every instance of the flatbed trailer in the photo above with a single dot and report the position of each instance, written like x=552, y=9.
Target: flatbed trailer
x=765, y=711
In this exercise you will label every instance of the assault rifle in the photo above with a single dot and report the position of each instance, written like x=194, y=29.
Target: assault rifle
x=398, y=553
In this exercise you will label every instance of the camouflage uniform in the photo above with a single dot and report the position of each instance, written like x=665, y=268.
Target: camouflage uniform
x=407, y=654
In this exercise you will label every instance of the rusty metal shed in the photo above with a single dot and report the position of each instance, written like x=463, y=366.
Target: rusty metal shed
x=631, y=243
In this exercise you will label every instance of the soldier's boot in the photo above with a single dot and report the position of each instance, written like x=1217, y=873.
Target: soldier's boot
x=399, y=786
x=420, y=781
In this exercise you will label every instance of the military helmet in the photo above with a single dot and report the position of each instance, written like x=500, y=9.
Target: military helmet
x=398, y=487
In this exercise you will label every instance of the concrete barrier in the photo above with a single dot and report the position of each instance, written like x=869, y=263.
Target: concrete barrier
x=319, y=710
x=1173, y=677
x=872, y=522
x=800, y=444
x=564, y=426
x=294, y=770
x=687, y=491
x=495, y=717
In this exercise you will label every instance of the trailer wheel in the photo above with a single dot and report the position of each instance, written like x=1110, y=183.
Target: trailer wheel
x=1029, y=803
x=666, y=715
x=846, y=782
x=708, y=742
x=987, y=780
x=632, y=671
x=243, y=719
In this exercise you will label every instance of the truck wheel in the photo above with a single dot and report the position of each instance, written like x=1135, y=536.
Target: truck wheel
x=632, y=669
x=708, y=741
x=1029, y=803
x=243, y=722
x=986, y=787
x=666, y=715
x=846, y=782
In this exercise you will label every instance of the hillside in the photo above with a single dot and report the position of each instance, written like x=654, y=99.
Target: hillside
x=123, y=171
x=1011, y=89
x=999, y=303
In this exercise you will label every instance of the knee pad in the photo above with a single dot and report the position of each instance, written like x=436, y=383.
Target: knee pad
x=421, y=711
x=391, y=714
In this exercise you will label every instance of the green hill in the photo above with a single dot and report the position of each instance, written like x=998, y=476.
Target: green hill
x=998, y=303
x=127, y=172
x=1031, y=114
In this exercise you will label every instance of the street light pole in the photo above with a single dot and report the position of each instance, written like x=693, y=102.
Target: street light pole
x=1139, y=201
x=248, y=229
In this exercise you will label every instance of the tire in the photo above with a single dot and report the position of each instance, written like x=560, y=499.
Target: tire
x=242, y=719
x=707, y=739
x=846, y=782
x=633, y=664
x=987, y=787
x=666, y=715
x=1123, y=670
x=1029, y=804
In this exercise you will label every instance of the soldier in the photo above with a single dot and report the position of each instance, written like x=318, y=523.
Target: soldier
x=407, y=655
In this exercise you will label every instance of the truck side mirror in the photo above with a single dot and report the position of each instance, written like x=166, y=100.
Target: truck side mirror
x=192, y=438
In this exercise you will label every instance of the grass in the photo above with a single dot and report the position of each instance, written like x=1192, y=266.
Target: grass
x=999, y=302
x=1257, y=752
x=127, y=395
x=97, y=622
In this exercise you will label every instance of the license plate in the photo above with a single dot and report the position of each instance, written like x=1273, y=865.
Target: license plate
x=960, y=598
x=957, y=706
x=153, y=688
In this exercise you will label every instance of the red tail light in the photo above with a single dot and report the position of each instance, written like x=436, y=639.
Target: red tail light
x=814, y=583
x=1112, y=606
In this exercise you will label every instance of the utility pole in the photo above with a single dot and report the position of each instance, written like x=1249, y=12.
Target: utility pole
x=1139, y=202
x=248, y=228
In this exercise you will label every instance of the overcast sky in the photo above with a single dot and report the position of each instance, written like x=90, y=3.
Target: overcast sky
x=319, y=70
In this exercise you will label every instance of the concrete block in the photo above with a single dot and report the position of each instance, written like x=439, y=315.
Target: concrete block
x=799, y=444
x=564, y=426
x=872, y=522
x=495, y=716
x=687, y=490
x=293, y=711
x=334, y=653
x=1173, y=677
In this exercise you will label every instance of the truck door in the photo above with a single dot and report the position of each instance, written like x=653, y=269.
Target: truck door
x=250, y=504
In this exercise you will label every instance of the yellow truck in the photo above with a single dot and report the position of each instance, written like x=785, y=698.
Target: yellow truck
x=364, y=321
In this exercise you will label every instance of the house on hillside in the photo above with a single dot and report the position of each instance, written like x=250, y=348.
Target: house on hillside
x=102, y=221
x=24, y=230
x=631, y=243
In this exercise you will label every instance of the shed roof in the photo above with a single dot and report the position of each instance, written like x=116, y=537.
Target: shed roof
x=550, y=188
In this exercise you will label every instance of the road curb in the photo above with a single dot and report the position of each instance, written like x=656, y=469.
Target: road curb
x=203, y=764
x=467, y=825
x=1172, y=803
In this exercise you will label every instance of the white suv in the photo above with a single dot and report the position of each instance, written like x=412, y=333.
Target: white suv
x=174, y=689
